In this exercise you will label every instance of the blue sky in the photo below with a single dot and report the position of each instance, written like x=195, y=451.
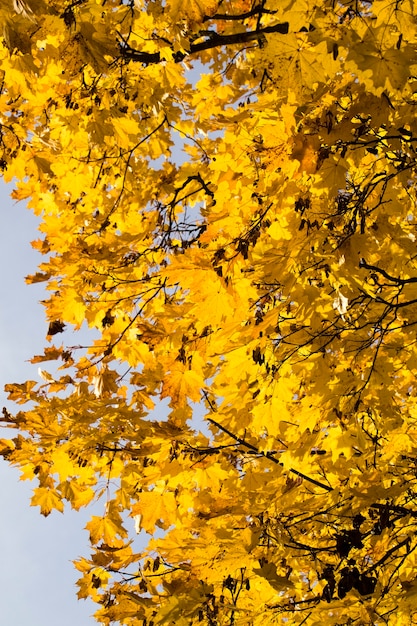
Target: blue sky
x=37, y=577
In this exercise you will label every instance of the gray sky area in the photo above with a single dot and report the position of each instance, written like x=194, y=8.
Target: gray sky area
x=37, y=578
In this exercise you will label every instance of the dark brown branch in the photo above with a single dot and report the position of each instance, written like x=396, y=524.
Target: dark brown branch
x=260, y=10
x=400, y=544
x=242, y=442
x=267, y=455
x=199, y=179
x=400, y=510
x=399, y=281
x=213, y=40
x=310, y=480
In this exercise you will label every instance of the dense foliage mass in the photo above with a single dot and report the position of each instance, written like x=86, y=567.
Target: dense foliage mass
x=227, y=191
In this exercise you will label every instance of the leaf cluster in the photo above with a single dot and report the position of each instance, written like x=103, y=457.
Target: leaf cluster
x=227, y=194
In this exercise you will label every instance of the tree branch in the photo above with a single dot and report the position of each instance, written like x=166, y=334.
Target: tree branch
x=214, y=40
x=392, y=279
x=267, y=455
x=391, y=551
x=260, y=10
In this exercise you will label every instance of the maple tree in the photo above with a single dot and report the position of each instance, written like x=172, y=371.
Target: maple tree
x=227, y=195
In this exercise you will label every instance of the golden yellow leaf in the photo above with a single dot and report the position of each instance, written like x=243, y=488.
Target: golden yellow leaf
x=47, y=499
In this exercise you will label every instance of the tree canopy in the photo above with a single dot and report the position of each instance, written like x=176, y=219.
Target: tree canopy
x=227, y=194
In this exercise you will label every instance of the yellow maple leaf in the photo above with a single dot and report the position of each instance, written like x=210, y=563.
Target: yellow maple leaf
x=73, y=307
x=78, y=496
x=182, y=383
x=47, y=499
x=105, y=529
x=154, y=509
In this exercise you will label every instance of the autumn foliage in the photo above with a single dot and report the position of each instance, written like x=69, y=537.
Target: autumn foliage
x=228, y=200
